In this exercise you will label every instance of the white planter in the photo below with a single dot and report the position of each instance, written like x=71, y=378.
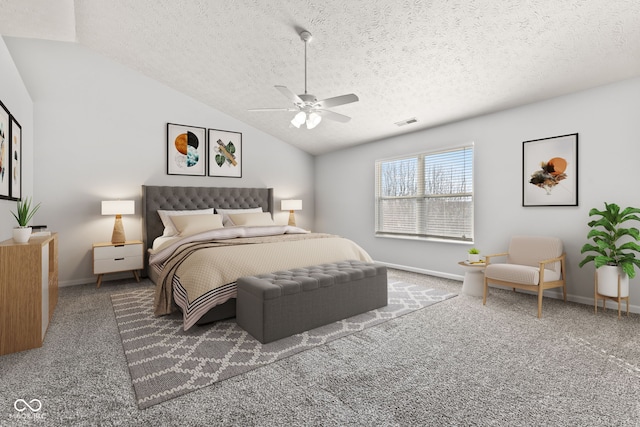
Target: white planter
x=608, y=281
x=473, y=257
x=21, y=234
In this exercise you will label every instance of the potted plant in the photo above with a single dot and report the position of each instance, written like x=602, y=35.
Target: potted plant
x=613, y=257
x=474, y=255
x=24, y=214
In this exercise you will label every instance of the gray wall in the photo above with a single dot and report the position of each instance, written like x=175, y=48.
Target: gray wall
x=15, y=97
x=606, y=119
x=100, y=133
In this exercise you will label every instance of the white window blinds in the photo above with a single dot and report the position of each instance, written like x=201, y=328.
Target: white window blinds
x=426, y=195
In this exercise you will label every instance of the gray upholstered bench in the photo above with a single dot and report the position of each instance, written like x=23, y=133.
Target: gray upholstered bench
x=280, y=304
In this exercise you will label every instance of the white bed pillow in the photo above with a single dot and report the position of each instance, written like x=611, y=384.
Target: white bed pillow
x=225, y=214
x=194, y=224
x=169, y=229
x=159, y=241
x=251, y=219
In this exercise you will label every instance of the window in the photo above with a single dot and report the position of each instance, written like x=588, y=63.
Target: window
x=428, y=195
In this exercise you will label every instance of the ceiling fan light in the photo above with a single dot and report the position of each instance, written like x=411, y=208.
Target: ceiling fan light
x=313, y=120
x=299, y=119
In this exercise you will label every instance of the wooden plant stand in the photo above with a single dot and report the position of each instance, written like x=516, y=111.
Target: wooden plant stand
x=617, y=299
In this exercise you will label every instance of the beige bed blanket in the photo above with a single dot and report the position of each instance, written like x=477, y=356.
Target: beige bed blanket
x=202, y=266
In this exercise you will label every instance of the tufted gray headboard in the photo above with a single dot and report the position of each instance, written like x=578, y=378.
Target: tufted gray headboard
x=164, y=197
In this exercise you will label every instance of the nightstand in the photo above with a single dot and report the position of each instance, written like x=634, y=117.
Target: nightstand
x=112, y=258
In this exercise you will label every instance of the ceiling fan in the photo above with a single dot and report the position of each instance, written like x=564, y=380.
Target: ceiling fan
x=309, y=109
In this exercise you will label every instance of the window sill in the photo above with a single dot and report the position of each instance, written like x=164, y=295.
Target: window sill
x=426, y=239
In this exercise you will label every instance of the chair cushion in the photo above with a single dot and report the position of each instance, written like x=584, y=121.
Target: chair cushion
x=530, y=250
x=523, y=274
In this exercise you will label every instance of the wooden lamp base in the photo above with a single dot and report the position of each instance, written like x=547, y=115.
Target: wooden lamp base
x=292, y=219
x=118, y=238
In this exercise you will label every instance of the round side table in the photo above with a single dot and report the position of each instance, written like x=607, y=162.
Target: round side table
x=473, y=283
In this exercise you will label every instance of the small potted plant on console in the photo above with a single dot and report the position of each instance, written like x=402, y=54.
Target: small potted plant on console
x=24, y=214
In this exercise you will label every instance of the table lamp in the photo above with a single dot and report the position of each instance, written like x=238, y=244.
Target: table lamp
x=118, y=208
x=291, y=205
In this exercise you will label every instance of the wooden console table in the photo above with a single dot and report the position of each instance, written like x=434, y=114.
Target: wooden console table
x=28, y=291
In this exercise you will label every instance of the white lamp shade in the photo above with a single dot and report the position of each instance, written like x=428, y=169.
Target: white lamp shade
x=313, y=120
x=291, y=205
x=118, y=207
x=299, y=119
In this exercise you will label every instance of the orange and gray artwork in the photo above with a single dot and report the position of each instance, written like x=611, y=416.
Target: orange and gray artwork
x=550, y=174
x=187, y=146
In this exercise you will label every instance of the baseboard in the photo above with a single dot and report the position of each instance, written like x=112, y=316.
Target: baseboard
x=93, y=279
x=457, y=277
x=75, y=282
x=549, y=294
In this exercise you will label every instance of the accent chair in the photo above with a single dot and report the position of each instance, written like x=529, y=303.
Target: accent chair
x=533, y=263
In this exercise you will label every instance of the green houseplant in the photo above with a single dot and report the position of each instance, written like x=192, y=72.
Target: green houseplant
x=474, y=255
x=24, y=214
x=613, y=249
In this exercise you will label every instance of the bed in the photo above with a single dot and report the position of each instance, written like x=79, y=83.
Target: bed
x=197, y=274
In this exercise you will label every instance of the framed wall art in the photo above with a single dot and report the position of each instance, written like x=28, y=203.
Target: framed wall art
x=5, y=153
x=550, y=171
x=15, y=136
x=186, y=147
x=225, y=153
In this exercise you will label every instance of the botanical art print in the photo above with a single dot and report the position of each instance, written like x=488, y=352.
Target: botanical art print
x=225, y=153
x=16, y=160
x=550, y=171
x=5, y=173
x=185, y=150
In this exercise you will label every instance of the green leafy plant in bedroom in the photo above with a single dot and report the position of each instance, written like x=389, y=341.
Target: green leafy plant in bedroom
x=24, y=214
x=613, y=248
x=474, y=255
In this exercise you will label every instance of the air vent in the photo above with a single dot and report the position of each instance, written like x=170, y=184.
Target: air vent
x=407, y=121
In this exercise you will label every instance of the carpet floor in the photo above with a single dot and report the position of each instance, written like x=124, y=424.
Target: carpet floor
x=165, y=361
x=455, y=363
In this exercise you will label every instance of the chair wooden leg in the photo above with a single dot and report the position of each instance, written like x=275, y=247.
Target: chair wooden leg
x=540, y=302
x=564, y=292
x=484, y=292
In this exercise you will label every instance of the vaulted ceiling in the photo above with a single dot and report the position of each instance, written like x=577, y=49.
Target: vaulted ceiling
x=438, y=61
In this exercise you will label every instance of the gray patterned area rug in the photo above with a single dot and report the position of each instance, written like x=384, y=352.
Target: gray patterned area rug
x=166, y=362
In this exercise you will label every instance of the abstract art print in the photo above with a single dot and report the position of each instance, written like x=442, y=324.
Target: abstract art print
x=16, y=159
x=225, y=153
x=5, y=172
x=550, y=171
x=185, y=150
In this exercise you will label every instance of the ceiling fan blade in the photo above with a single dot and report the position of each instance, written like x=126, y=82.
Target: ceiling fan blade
x=290, y=95
x=273, y=109
x=333, y=116
x=337, y=100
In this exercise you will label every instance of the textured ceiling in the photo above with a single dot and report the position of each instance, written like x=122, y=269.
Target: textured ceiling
x=438, y=61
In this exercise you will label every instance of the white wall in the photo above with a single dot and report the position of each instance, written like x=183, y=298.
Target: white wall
x=606, y=120
x=15, y=97
x=100, y=133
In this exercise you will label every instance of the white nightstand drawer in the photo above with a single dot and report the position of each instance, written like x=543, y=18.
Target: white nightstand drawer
x=101, y=266
x=118, y=251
